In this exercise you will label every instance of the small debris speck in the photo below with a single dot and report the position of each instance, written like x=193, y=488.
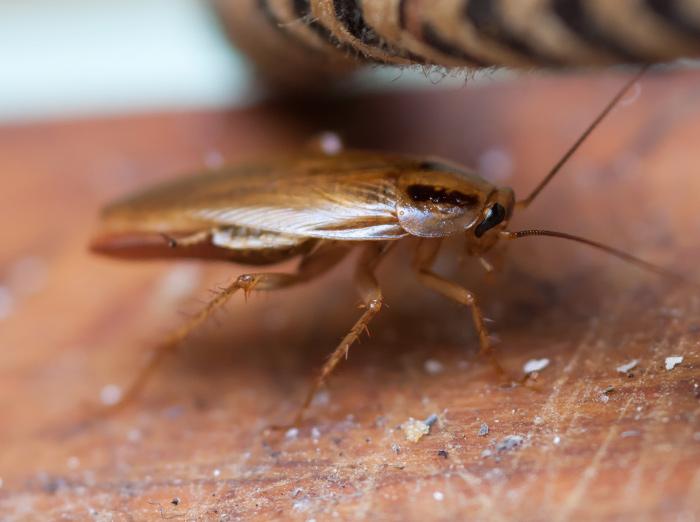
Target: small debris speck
x=415, y=429
x=538, y=421
x=439, y=496
x=315, y=433
x=175, y=501
x=296, y=492
x=442, y=453
x=556, y=440
x=673, y=361
x=432, y=419
x=396, y=448
x=217, y=472
x=483, y=430
x=535, y=365
x=433, y=367
x=486, y=453
x=110, y=394
x=510, y=442
x=630, y=433
x=627, y=367
x=292, y=433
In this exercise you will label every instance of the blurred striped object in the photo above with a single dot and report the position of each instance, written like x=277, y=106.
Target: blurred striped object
x=298, y=42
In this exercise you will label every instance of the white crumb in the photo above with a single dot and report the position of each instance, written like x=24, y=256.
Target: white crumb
x=535, y=365
x=627, y=367
x=439, y=496
x=292, y=433
x=673, y=361
x=415, y=429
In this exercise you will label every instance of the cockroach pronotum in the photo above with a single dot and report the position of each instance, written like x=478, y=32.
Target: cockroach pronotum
x=318, y=207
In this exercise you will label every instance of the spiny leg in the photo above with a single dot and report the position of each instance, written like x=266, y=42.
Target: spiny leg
x=425, y=257
x=316, y=263
x=371, y=295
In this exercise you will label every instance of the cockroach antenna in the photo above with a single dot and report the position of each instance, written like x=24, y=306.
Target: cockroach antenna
x=624, y=256
x=524, y=203
x=645, y=265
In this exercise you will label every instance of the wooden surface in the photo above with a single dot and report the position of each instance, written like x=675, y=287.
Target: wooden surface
x=596, y=444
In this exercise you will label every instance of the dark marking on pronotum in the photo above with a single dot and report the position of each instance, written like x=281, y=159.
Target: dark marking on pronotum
x=486, y=19
x=439, y=195
x=574, y=14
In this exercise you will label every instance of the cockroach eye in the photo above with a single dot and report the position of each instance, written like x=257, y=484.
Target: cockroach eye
x=495, y=216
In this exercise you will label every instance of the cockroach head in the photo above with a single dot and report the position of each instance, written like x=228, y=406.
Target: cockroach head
x=495, y=214
x=439, y=200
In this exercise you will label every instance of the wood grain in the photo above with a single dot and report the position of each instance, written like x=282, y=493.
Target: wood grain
x=596, y=444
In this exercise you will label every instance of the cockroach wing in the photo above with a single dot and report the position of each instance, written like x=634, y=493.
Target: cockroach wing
x=345, y=197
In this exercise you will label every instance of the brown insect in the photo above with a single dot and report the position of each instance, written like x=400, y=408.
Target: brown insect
x=319, y=207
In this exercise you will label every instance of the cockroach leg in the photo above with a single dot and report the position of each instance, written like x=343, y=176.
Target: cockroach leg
x=319, y=261
x=425, y=255
x=371, y=295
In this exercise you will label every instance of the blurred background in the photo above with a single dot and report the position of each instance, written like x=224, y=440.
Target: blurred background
x=78, y=58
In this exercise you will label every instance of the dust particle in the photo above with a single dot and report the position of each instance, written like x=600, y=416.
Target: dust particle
x=439, y=496
x=483, y=430
x=292, y=433
x=175, y=501
x=509, y=443
x=442, y=453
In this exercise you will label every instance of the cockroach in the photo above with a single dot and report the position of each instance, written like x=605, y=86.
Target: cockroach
x=318, y=207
